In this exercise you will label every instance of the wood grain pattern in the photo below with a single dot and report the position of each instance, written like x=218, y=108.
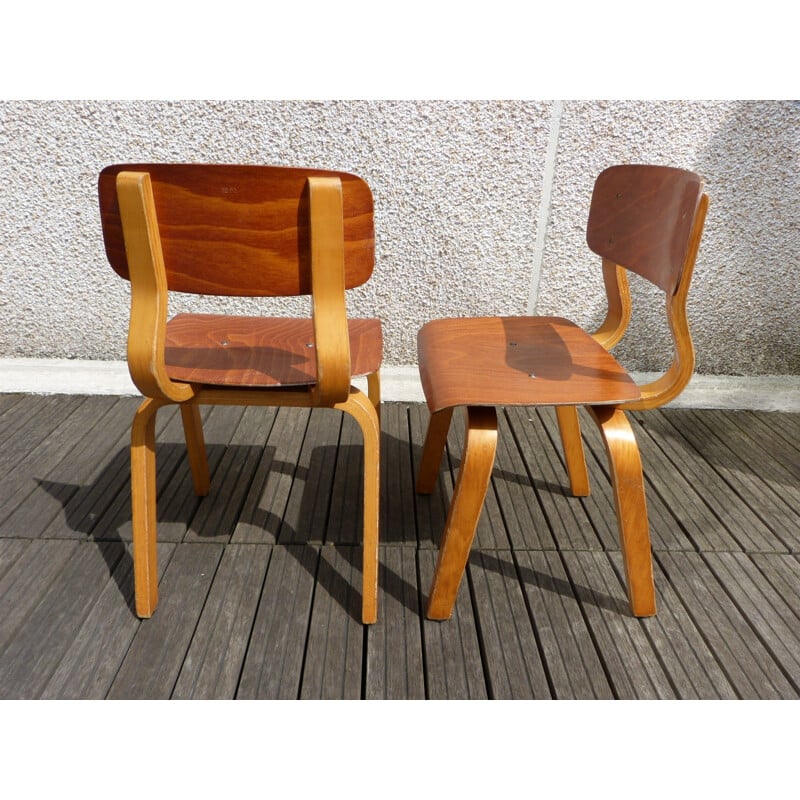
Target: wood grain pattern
x=149, y=303
x=462, y=520
x=222, y=350
x=331, y=340
x=641, y=218
x=517, y=361
x=627, y=480
x=238, y=229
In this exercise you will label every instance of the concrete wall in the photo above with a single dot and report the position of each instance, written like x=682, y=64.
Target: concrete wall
x=461, y=191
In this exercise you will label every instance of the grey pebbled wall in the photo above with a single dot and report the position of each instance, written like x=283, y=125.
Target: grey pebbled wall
x=458, y=190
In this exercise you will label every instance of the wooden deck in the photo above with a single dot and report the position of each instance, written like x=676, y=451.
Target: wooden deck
x=260, y=580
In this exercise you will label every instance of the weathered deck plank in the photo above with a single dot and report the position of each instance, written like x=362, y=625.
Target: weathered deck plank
x=156, y=655
x=394, y=643
x=29, y=659
x=273, y=666
x=214, y=660
x=335, y=651
x=738, y=519
x=513, y=663
x=90, y=663
x=452, y=651
x=261, y=580
x=746, y=662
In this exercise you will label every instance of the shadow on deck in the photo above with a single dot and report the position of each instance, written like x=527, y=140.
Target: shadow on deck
x=260, y=581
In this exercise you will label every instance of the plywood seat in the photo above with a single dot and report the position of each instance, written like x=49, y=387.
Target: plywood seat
x=495, y=361
x=222, y=350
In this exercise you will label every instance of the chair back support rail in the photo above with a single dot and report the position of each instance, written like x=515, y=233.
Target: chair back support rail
x=650, y=221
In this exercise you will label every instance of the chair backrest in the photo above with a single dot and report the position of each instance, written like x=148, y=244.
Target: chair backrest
x=238, y=229
x=641, y=217
x=649, y=219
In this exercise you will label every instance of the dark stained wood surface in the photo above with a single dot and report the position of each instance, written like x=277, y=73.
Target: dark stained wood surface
x=260, y=581
x=239, y=229
x=641, y=217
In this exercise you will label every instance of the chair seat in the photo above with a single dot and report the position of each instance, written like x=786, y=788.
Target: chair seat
x=502, y=361
x=222, y=350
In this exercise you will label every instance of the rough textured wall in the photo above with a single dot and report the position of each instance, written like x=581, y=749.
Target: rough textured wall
x=457, y=188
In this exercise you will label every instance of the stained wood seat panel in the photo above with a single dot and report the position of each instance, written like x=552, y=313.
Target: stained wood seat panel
x=491, y=361
x=223, y=350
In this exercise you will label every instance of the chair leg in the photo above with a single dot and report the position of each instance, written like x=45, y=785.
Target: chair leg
x=143, y=506
x=361, y=407
x=629, y=499
x=465, y=508
x=196, y=448
x=432, y=450
x=569, y=427
x=374, y=391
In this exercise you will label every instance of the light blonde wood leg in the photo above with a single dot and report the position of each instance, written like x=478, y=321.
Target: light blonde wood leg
x=569, y=427
x=196, y=448
x=626, y=477
x=360, y=406
x=143, y=506
x=432, y=450
x=374, y=391
x=465, y=508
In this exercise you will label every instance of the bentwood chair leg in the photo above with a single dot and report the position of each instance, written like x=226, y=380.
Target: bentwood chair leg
x=374, y=391
x=626, y=477
x=196, y=448
x=143, y=507
x=465, y=508
x=432, y=450
x=569, y=427
x=360, y=406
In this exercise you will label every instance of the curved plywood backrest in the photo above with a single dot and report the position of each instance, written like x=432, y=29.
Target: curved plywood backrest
x=641, y=217
x=238, y=229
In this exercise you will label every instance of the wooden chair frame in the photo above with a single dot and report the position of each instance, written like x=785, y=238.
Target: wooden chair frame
x=149, y=371
x=617, y=435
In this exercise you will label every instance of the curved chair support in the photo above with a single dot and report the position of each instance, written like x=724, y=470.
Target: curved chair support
x=331, y=339
x=361, y=408
x=374, y=391
x=625, y=466
x=679, y=373
x=618, y=315
x=569, y=426
x=465, y=508
x=432, y=450
x=143, y=503
x=196, y=447
x=147, y=331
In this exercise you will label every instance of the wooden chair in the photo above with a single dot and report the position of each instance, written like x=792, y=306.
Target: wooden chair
x=642, y=218
x=244, y=231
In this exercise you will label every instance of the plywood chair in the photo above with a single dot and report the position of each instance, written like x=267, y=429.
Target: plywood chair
x=244, y=231
x=646, y=219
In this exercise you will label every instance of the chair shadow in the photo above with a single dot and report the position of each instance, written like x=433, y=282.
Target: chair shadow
x=320, y=504
x=320, y=516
